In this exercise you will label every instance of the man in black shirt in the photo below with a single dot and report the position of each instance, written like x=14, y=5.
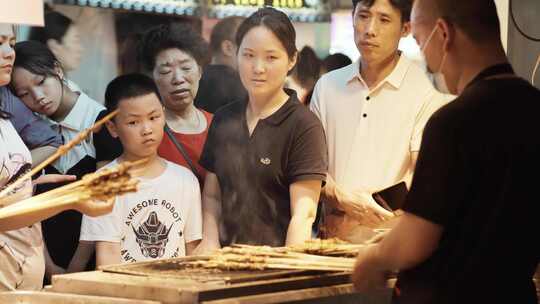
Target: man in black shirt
x=467, y=234
x=220, y=83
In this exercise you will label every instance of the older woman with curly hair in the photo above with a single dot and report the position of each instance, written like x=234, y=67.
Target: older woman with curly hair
x=175, y=54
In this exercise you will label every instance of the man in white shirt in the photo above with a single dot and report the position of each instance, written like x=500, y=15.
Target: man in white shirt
x=373, y=112
x=163, y=219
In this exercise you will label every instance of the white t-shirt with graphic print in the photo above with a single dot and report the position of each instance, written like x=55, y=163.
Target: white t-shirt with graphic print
x=156, y=221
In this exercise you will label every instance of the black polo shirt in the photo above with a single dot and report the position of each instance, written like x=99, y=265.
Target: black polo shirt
x=255, y=172
x=477, y=177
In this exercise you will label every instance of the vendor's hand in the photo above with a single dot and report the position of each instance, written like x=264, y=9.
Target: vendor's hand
x=95, y=208
x=206, y=247
x=53, y=178
x=367, y=276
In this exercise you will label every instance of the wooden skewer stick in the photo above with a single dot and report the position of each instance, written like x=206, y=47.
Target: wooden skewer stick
x=279, y=252
x=59, y=152
x=309, y=267
x=234, y=265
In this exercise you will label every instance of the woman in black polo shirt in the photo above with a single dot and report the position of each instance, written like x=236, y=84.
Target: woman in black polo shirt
x=266, y=156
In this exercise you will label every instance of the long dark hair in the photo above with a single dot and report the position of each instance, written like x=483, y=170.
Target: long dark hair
x=274, y=20
x=36, y=58
x=172, y=36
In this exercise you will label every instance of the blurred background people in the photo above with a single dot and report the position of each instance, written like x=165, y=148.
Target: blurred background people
x=335, y=61
x=305, y=74
x=62, y=37
x=220, y=83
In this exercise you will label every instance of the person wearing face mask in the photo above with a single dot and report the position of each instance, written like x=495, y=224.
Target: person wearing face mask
x=174, y=54
x=373, y=112
x=467, y=234
x=38, y=80
x=62, y=37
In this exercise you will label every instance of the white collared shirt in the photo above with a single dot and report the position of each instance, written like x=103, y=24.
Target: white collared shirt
x=82, y=116
x=372, y=134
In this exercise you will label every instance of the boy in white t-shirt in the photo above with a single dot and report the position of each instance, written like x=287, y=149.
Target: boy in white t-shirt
x=163, y=218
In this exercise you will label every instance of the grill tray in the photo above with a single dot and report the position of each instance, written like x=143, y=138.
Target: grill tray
x=177, y=268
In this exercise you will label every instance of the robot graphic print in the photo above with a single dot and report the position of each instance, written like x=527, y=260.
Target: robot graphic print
x=153, y=229
x=152, y=236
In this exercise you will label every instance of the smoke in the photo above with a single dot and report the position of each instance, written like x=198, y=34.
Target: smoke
x=249, y=213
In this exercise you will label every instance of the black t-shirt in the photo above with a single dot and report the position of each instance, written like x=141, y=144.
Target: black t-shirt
x=255, y=172
x=476, y=176
x=219, y=85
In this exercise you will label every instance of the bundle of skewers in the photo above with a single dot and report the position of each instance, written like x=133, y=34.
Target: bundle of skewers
x=328, y=247
x=247, y=257
x=99, y=186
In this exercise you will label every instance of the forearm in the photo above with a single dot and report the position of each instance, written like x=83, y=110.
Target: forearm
x=12, y=217
x=304, y=201
x=211, y=213
x=42, y=153
x=50, y=266
x=380, y=258
x=299, y=230
x=107, y=253
x=408, y=244
x=81, y=257
x=191, y=246
x=49, y=263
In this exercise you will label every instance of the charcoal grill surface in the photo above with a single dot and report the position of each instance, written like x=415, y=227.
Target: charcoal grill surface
x=178, y=268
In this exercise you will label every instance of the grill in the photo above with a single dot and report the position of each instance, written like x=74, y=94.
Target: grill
x=172, y=281
x=177, y=269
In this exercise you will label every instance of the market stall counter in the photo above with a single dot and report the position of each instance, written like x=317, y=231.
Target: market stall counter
x=241, y=274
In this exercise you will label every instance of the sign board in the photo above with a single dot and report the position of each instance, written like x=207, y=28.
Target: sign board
x=25, y=12
x=170, y=7
x=297, y=10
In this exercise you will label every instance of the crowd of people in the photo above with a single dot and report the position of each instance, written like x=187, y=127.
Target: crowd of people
x=268, y=144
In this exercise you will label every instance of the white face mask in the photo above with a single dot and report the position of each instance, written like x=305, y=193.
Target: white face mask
x=437, y=76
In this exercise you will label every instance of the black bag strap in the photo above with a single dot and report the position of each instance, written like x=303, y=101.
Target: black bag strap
x=182, y=151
